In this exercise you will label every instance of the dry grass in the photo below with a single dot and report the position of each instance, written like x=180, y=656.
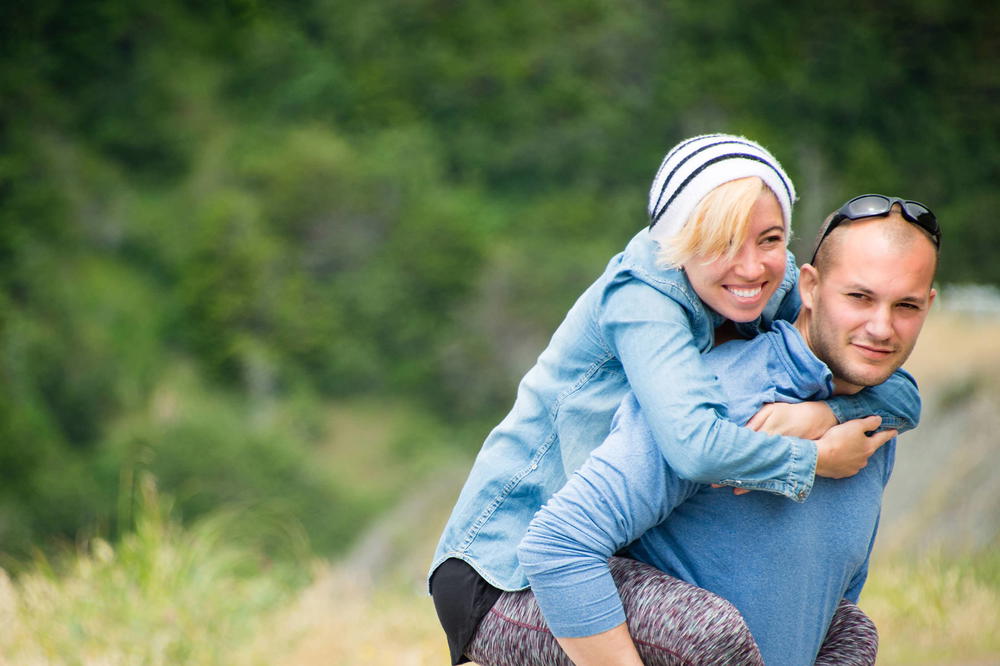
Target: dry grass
x=163, y=595
x=936, y=610
x=166, y=595
x=352, y=623
x=952, y=345
x=930, y=612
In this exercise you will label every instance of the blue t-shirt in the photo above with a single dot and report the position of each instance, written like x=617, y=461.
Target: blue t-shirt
x=784, y=565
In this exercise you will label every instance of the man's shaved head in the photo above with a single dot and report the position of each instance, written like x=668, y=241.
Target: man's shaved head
x=894, y=227
x=865, y=297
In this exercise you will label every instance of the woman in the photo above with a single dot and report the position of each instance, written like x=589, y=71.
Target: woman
x=642, y=326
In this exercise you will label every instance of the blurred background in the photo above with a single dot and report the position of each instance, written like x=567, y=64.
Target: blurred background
x=270, y=271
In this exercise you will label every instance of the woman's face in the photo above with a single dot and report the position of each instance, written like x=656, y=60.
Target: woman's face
x=739, y=288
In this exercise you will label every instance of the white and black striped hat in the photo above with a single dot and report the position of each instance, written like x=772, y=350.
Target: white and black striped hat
x=695, y=167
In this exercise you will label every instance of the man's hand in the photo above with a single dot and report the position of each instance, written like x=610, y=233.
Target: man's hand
x=844, y=449
x=808, y=420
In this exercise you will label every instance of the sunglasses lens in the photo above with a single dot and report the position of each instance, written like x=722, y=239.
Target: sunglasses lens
x=923, y=216
x=919, y=212
x=867, y=206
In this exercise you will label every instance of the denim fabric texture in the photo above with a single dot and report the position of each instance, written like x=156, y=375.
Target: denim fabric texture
x=784, y=565
x=643, y=328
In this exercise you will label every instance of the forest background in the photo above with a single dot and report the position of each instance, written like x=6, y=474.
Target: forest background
x=287, y=261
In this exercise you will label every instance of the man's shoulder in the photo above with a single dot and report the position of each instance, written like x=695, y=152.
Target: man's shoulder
x=757, y=352
x=775, y=366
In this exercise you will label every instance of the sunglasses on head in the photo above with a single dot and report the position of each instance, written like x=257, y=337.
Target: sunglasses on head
x=879, y=205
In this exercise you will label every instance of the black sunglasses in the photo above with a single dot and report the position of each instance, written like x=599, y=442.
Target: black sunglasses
x=879, y=205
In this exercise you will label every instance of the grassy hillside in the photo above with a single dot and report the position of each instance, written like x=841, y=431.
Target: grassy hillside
x=945, y=491
x=936, y=604
x=290, y=259
x=166, y=594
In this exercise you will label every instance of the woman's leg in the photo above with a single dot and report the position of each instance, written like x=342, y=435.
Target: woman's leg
x=513, y=632
x=851, y=640
x=671, y=622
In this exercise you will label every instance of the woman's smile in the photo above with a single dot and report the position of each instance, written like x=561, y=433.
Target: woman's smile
x=739, y=286
x=748, y=293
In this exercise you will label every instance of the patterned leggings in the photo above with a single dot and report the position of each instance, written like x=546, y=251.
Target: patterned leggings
x=672, y=623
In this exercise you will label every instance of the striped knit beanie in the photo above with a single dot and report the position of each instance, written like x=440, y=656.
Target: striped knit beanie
x=695, y=167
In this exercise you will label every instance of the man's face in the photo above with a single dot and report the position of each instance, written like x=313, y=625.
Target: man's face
x=869, y=303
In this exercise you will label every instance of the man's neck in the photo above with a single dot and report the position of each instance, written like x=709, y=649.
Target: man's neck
x=840, y=387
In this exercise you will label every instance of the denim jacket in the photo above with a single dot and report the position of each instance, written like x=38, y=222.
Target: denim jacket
x=638, y=327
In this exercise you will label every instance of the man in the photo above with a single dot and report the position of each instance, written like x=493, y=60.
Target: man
x=784, y=566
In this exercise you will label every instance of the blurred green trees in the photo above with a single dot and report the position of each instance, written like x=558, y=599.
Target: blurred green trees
x=263, y=206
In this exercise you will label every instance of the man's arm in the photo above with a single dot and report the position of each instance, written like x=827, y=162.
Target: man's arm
x=624, y=489
x=896, y=400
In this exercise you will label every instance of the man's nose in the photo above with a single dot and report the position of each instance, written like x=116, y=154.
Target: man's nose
x=879, y=325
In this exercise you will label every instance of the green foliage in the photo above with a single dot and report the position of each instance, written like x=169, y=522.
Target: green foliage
x=395, y=200
x=272, y=457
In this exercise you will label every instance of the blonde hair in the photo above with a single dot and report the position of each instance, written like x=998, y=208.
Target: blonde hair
x=717, y=226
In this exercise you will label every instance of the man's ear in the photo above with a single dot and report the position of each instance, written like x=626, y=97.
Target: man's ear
x=808, y=284
x=930, y=301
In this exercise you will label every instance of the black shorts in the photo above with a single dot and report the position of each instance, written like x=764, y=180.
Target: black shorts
x=462, y=598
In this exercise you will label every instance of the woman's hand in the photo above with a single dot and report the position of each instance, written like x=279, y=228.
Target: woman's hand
x=844, y=449
x=808, y=420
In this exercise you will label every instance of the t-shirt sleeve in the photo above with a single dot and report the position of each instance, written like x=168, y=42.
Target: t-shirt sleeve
x=624, y=489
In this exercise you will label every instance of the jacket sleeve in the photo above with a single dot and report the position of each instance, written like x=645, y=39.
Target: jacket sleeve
x=896, y=400
x=683, y=403
x=623, y=489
